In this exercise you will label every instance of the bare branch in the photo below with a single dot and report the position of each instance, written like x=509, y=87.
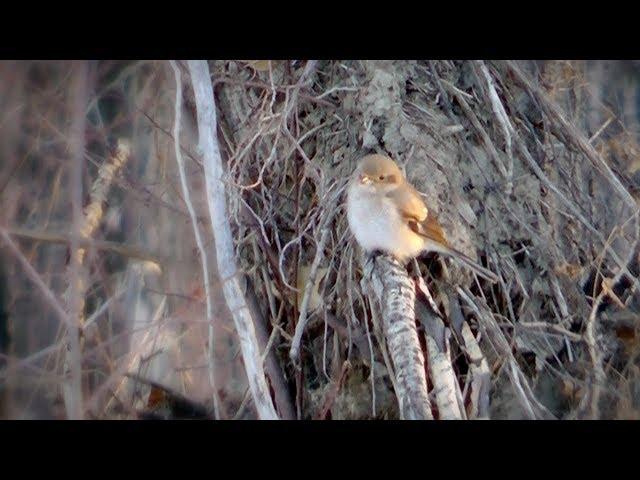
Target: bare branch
x=196, y=231
x=441, y=370
x=227, y=269
x=72, y=386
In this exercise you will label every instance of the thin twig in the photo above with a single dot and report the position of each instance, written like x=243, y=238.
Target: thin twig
x=294, y=351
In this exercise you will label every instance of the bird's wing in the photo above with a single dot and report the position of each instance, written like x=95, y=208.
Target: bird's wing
x=419, y=218
x=424, y=223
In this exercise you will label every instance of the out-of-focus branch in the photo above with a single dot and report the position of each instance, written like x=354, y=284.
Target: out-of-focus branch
x=83, y=230
x=35, y=278
x=499, y=112
x=152, y=338
x=389, y=285
x=125, y=250
x=227, y=269
x=85, y=223
x=72, y=385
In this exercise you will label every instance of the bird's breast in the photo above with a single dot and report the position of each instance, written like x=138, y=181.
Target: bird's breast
x=377, y=225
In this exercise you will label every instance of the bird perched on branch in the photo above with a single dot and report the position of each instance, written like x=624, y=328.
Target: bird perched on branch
x=387, y=214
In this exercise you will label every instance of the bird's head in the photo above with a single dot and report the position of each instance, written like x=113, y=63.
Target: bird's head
x=378, y=173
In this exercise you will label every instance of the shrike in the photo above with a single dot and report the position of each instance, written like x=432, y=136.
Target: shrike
x=386, y=213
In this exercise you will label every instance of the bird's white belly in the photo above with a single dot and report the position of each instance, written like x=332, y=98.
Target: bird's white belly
x=376, y=225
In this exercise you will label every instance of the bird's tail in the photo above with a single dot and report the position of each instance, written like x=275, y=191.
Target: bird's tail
x=479, y=269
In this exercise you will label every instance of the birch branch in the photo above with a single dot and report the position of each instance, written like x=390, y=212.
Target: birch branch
x=480, y=375
x=196, y=231
x=227, y=269
x=440, y=369
x=480, y=381
x=393, y=291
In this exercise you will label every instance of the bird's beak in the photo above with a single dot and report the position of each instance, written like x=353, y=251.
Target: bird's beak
x=365, y=180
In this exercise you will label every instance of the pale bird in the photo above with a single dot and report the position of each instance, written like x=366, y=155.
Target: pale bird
x=387, y=214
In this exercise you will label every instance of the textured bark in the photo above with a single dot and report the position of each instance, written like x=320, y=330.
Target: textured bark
x=393, y=290
x=443, y=377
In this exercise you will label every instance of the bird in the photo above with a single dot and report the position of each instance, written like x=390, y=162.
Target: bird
x=386, y=213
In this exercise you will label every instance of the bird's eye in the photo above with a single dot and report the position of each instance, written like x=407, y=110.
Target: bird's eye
x=381, y=177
